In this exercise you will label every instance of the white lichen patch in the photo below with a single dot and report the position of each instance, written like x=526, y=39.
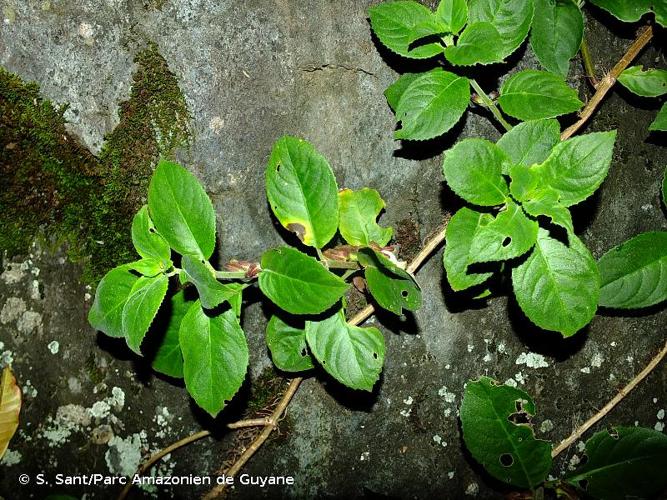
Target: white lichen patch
x=450, y=474
x=581, y=446
x=14, y=272
x=216, y=125
x=100, y=410
x=406, y=413
x=574, y=461
x=117, y=399
x=74, y=385
x=501, y=348
x=365, y=456
x=34, y=290
x=163, y=418
x=408, y=400
x=69, y=419
x=124, y=454
x=661, y=414
x=659, y=426
x=29, y=390
x=437, y=439
x=472, y=489
x=10, y=458
x=12, y=310
x=510, y=382
x=596, y=360
x=546, y=426
x=532, y=360
x=54, y=347
x=29, y=322
x=450, y=397
x=519, y=377
x=585, y=369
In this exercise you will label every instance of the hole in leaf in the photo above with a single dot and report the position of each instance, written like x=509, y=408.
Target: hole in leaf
x=404, y=293
x=583, y=460
x=304, y=352
x=519, y=418
x=613, y=433
x=507, y=241
x=583, y=484
x=151, y=229
x=375, y=355
x=518, y=404
x=278, y=167
x=506, y=460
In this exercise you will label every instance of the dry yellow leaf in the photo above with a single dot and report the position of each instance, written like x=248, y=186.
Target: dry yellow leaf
x=10, y=406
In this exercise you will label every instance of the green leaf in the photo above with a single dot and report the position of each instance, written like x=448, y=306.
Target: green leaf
x=106, y=314
x=301, y=189
x=215, y=357
x=556, y=34
x=508, y=451
x=576, y=167
x=395, y=91
x=149, y=266
x=454, y=13
x=288, y=347
x=168, y=358
x=298, y=283
x=545, y=203
x=496, y=29
x=530, y=142
x=634, y=274
x=506, y=236
x=354, y=356
x=473, y=168
x=532, y=94
x=431, y=105
x=357, y=217
x=649, y=83
x=631, y=10
x=664, y=188
x=399, y=24
x=623, y=462
x=458, y=241
x=181, y=210
x=147, y=241
x=392, y=287
x=141, y=307
x=480, y=43
x=558, y=287
x=211, y=292
x=660, y=122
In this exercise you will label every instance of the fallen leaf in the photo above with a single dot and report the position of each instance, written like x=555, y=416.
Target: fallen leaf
x=10, y=406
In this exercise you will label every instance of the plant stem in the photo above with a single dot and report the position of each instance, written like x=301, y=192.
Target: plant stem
x=586, y=58
x=253, y=422
x=608, y=81
x=488, y=103
x=341, y=264
x=230, y=275
x=579, y=431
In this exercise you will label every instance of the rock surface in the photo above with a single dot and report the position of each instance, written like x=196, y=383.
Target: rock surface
x=251, y=72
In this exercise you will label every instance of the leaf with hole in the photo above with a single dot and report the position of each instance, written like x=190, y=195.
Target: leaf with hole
x=301, y=189
x=10, y=408
x=533, y=94
x=431, y=105
x=649, y=83
x=634, y=274
x=398, y=25
x=473, y=169
x=454, y=13
x=545, y=203
x=211, y=292
x=558, y=286
x=181, y=210
x=354, y=356
x=288, y=346
x=458, y=242
x=506, y=236
x=168, y=358
x=106, y=313
x=145, y=238
x=215, y=357
x=623, y=462
x=556, y=34
x=660, y=122
x=530, y=142
x=393, y=288
x=298, y=283
x=497, y=431
x=576, y=167
x=141, y=307
x=359, y=211
x=149, y=266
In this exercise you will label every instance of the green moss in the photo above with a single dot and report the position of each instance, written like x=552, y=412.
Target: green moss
x=59, y=190
x=264, y=390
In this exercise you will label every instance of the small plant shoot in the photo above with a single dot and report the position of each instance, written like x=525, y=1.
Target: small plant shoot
x=203, y=341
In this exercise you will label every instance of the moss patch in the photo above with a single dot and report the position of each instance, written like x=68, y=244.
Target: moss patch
x=56, y=189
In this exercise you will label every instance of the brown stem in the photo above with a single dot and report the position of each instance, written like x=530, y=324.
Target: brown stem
x=608, y=81
x=253, y=422
x=579, y=431
x=431, y=246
